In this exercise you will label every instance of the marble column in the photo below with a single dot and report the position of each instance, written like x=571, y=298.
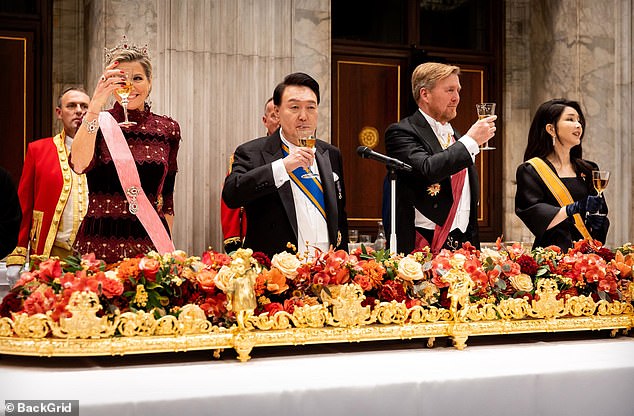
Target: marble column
x=215, y=64
x=68, y=51
x=581, y=50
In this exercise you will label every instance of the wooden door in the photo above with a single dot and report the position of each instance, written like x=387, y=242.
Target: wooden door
x=25, y=53
x=17, y=122
x=367, y=98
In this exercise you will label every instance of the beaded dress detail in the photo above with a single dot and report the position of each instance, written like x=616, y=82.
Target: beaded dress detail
x=109, y=230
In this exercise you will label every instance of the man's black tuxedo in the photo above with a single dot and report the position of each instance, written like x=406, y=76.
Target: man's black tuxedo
x=271, y=217
x=413, y=141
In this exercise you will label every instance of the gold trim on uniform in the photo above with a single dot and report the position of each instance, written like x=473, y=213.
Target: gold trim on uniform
x=18, y=256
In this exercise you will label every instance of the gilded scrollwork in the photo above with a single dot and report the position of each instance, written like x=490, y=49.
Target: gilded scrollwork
x=342, y=317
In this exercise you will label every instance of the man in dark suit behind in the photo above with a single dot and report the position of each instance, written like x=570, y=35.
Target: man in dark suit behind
x=436, y=203
x=268, y=179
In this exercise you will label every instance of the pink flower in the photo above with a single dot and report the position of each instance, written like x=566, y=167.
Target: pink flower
x=150, y=268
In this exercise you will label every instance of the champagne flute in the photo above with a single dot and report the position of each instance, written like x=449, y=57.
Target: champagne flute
x=123, y=90
x=485, y=110
x=306, y=138
x=353, y=235
x=600, y=180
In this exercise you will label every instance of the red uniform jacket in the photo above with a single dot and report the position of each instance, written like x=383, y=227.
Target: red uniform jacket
x=234, y=223
x=45, y=185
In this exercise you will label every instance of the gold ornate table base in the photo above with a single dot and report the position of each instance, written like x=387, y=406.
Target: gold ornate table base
x=341, y=318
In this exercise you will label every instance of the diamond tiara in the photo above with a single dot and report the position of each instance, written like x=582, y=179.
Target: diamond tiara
x=125, y=45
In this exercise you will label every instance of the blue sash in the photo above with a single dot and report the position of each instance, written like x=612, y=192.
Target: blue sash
x=311, y=187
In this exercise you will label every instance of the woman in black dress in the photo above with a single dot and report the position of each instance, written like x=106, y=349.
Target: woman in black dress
x=555, y=139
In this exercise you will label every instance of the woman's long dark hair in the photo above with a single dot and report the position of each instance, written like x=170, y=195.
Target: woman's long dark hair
x=540, y=143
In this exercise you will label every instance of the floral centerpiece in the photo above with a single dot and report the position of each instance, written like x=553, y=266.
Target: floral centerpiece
x=246, y=290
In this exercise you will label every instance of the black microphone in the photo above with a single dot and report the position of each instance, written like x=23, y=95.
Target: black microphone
x=367, y=153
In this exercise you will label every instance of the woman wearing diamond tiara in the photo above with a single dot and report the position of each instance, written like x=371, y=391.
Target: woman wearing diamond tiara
x=555, y=196
x=130, y=167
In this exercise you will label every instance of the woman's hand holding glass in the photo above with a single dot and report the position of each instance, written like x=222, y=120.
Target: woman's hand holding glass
x=108, y=82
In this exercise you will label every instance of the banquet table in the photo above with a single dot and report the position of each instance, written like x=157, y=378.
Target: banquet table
x=576, y=374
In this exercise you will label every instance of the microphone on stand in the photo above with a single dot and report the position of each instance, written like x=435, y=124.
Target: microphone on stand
x=367, y=153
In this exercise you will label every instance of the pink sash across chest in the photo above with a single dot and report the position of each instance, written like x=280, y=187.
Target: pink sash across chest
x=138, y=202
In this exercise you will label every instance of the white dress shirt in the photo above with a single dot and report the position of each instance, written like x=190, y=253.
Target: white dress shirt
x=443, y=132
x=312, y=229
x=68, y=215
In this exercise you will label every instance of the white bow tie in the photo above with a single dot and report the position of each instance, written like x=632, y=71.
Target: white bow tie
x=445, y=130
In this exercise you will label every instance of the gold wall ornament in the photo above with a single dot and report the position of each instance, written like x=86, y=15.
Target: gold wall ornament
x=369, y=136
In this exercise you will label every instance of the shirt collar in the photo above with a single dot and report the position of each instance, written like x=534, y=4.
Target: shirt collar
x=441, y=130
x=290, y=145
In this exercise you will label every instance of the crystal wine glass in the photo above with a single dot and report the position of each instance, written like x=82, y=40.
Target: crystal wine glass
x=123, y=90
x=306, y=138
x=600, y=180
x=485, y=110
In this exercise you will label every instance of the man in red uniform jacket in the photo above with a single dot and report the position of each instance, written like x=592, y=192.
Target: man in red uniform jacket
x=234, y=221
x=53, y=198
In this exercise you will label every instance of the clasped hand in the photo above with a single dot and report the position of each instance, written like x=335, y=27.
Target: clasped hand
x=300, y=157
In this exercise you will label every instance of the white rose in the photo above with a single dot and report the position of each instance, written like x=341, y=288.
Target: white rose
x=409, y=269
x=286, y=263
x=522, y=282
x=111, y=274
x=223, y=278
x=489, y=253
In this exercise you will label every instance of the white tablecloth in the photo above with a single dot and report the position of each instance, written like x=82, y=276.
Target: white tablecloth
x=552, y=374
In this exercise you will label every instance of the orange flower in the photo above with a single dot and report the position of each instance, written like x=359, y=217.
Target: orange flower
x=129, y=268
x=363, y=281
x=272, y=280
x=374, y=272
x=109, y=287
x=624, y=264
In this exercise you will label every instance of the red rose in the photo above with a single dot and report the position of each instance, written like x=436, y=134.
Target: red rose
x=273, y=308
x=528, y=265
x=215, y=306
x=392, y=290
x=262, y=259
x=110, y=287
x=290, y=304
x=10, y=303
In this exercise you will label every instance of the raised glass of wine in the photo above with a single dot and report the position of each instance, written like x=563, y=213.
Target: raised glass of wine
x=306, y=138
x=485, y=110
x=123, y=90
